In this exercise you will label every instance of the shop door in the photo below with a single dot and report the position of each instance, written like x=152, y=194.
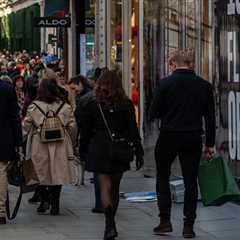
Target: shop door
x=228, y=87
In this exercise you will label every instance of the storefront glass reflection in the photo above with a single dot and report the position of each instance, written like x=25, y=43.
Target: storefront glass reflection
x=227, y=51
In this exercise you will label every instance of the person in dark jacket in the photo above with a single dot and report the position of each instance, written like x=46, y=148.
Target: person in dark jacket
x=80, y=109
x=95, y=141
x=11, y=137
x=181, y=102
x=80, y=87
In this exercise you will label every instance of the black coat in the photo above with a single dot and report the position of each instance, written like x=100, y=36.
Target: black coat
x=10, y=122
x=94, y=137
x=182, y=101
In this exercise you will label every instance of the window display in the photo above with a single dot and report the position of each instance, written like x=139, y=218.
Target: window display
x=116, y=34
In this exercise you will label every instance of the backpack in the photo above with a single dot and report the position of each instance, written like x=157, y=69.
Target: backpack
x=52, y=128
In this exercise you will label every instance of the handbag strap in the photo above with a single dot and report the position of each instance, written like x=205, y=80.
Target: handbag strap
x=105, y=122
x=17, y=206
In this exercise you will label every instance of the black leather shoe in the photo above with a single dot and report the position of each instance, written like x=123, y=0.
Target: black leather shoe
x=162, y=228
x=97, y=210
x=43, y=208
x=188, y=231
x=3, y=221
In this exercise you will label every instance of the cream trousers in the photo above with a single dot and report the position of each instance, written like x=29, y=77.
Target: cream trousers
x=3, y=188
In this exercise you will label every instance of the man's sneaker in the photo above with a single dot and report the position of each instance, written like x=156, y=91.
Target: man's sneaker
x=162, y=228
x=3, y=220
x=188, y=231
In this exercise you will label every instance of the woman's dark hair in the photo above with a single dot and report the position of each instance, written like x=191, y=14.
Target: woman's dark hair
x=80, y=79
x=19, y=77
x=109, y=89
x=48, y=91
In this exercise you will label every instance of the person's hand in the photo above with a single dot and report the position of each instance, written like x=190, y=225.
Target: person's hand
x=209, y=153
x=139, y=162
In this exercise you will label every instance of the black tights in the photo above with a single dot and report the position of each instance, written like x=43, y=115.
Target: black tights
x=109, y=185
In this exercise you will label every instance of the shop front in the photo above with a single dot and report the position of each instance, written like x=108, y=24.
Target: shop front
x=228, y=91
x=171, y=25
x=118, y=40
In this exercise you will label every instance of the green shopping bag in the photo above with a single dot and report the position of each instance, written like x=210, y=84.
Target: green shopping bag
x=217, y=185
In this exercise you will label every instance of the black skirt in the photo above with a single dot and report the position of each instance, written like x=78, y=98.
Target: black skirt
x=98, y=160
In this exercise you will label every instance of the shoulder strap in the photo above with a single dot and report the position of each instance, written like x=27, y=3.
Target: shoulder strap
x=60, y=108
x=17, y=206
x=40, y=109
x=45, y=114
x=105, y=122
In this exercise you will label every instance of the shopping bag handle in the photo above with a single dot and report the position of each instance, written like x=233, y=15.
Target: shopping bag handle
x=208, y=161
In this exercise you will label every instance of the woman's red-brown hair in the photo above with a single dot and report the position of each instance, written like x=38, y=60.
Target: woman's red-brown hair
x=109, y=89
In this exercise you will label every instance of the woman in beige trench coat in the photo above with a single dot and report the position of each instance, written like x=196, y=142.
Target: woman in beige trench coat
x=51, y=159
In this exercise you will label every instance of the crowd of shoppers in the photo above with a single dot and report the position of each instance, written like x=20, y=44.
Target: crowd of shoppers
x=58, y=116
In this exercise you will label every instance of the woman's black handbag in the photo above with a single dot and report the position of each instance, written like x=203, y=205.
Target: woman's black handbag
x=120, y=150
x=15, y=171
x=15, y=175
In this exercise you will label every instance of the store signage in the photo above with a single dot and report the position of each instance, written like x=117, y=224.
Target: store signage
x=52, y=22
x=233, y=96
x=233, y=7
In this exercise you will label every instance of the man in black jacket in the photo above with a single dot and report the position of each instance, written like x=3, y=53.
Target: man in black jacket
x=11, y=137
x=181, y=102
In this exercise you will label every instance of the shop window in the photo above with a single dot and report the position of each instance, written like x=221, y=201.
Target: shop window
x=116, y=34
x=89, y=40
x=173, y=28
x=191, y=24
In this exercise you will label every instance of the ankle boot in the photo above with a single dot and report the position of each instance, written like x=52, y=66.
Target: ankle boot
x=110, y=225
x=36, y=198
x=164, y=227
x=55, y=192
x=188, y=231
x=44, y=205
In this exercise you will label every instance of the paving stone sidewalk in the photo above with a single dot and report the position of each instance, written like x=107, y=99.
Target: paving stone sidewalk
x=135, y=221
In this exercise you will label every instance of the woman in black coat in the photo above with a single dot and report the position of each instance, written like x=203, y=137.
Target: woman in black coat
x=95, y=140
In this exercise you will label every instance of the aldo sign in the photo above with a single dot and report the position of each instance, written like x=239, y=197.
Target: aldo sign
x=52, y=22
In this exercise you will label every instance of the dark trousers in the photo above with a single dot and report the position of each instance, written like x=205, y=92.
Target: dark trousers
x=188, y=147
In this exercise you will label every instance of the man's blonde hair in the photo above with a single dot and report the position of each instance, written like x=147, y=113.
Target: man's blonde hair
x=185, y=57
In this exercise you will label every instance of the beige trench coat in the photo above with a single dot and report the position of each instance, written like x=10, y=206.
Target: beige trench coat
x=51, y=160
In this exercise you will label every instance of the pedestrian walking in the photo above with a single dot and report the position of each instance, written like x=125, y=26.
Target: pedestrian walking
x=80, y=86
x=80, y=109
x=109, y=110
x=20, y=87
x=182, y=101
x=50, y=121
x=11, y=137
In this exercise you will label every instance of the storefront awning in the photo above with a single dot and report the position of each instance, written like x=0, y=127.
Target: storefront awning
x=53, y=6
